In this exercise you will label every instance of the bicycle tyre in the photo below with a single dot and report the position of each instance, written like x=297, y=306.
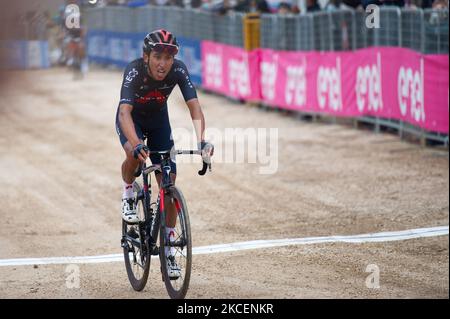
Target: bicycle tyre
x=177, y=289
x=137, y=281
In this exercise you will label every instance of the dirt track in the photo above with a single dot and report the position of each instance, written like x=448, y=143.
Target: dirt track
x=60, y=188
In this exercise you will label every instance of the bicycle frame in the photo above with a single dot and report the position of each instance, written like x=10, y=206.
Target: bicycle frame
x=152, y=217
x=139, y=240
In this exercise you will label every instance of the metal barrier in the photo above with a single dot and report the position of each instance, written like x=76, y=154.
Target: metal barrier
x=95, y=18
x=412, y=30
x=435, y=31
x=193, y=24
x=24, y=26
x=424, y=31
x=421, y=30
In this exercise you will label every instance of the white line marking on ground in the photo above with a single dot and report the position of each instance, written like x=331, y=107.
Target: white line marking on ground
x=255, y=244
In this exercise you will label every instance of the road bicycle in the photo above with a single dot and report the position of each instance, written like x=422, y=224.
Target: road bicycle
x=140, y=240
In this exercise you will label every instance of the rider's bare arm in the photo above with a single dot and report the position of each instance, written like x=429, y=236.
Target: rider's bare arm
x=197, y=118
x=127, y=126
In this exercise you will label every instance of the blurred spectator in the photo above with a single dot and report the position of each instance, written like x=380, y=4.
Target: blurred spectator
x=439, y=18
x=114, y=3
x=397, y=3
x=333, y=5
x=425, y=4
x=410, y=4
x=295, y=9
x=436, y=27
x=284, y=8
x=312, y=5
x=255, y=6
x=261, y=6
x=175, y=3
x=196, y=4
x=440, y=4
x=100, y=3
x=224, y=7
x=352, y=3
x=207, y=5
x=159, y=2
x=252, y=7
x=242, y=6
x=365, y=3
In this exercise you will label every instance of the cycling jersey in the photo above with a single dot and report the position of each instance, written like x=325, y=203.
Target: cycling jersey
x=148, y=96
x=149, y=100
x=74, y=33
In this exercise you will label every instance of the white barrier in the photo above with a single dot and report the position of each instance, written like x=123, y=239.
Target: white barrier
x=18, y=54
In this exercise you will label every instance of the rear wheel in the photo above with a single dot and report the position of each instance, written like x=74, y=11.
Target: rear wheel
x=177, y=249
x=135, y=250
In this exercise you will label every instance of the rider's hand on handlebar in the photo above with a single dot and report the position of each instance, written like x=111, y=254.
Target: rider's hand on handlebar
x=140, y=152
x=206, y=148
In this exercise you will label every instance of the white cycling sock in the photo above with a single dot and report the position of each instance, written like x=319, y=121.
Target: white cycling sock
x=127, y=190
x=170, y=235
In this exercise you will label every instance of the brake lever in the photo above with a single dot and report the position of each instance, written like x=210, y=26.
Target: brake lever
x=204, y=168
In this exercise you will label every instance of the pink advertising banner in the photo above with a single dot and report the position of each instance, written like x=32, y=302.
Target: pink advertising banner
x=392, y=83
x=231, y=71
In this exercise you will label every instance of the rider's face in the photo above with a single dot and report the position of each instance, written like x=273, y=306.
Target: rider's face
x=159, y=64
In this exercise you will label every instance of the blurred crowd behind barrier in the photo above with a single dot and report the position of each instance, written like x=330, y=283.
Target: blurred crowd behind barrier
x=423, y=30
x=336, y=27
x=119, y=29
x=34, y=37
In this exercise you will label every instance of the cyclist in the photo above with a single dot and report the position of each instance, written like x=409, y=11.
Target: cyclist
x=142, y=111
x=74, y=45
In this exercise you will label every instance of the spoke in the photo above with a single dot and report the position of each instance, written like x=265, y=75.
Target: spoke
x=180, y=253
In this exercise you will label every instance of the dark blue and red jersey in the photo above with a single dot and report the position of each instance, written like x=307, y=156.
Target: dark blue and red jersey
x=148, y=96
x=149, y=100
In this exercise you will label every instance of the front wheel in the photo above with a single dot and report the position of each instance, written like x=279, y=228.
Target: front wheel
x=176, y=250
x=135, y=247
